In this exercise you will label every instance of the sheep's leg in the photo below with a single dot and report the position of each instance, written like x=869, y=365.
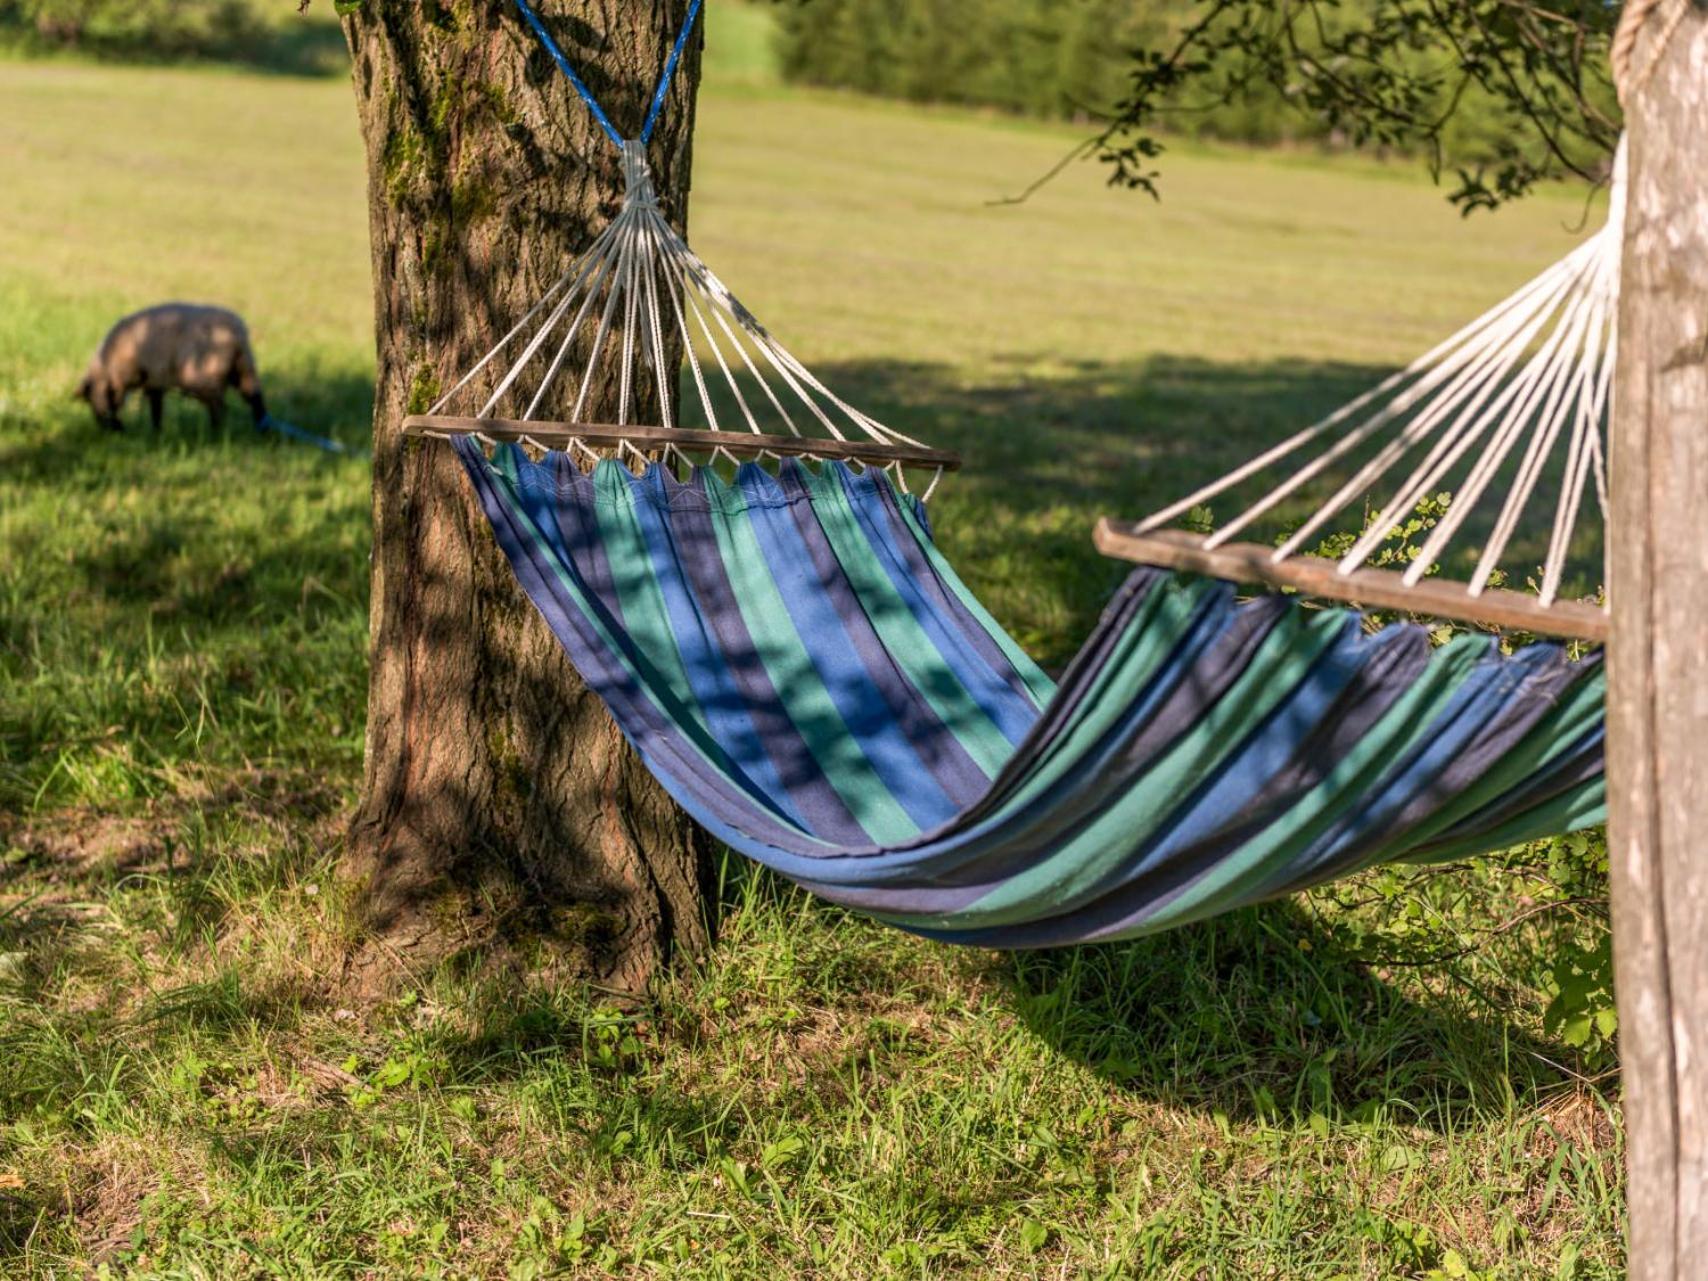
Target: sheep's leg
x=249, y=387
x=216, y=410
x=156, y=406
x=257, y=407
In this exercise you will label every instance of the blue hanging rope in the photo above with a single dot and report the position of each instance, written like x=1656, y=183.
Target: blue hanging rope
x=563, y=62
x=658, y=95
x=664, y=80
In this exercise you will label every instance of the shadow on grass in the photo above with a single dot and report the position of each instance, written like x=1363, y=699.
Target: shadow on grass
x=1123, y=437
x=1262, y=1014
x=156, y=566
x=1259, y=1015
x=165, y=584
x=1233, y=1015
x=248, y=834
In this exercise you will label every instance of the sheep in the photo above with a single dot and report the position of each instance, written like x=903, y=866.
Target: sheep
x=199, y=350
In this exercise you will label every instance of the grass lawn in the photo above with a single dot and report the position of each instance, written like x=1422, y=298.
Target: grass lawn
x=1356, y=1083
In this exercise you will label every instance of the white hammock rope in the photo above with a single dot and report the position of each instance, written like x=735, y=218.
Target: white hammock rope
x=1533, y=371
x=636, y=290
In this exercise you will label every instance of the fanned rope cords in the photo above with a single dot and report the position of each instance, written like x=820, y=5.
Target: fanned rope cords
x=1540, y=362
x=638, y=280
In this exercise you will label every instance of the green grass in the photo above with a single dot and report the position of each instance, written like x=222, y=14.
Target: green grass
x=188, y=1090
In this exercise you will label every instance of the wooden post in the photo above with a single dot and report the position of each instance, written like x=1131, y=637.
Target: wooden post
x=1658, y=658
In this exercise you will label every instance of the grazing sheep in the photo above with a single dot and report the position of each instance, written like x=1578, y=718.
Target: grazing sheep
x=199, y=350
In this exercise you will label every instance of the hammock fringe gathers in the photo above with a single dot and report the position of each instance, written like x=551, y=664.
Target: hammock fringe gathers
x=625, y=306
x=803, y=671
x=801, y=668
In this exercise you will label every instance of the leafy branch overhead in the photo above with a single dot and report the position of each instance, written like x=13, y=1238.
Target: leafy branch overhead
x=1391, y=74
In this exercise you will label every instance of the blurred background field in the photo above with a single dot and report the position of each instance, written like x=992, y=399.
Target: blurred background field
x=1361, y=1083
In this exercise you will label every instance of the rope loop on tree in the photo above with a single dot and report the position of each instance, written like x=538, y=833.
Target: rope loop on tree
x=658, y=95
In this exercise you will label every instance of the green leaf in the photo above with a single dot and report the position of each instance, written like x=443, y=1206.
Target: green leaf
x=780, y=1153
x=1034, y=1236
x=1397, y=1156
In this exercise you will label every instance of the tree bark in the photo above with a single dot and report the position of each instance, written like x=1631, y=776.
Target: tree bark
x=1657, y=699
x=500, y=804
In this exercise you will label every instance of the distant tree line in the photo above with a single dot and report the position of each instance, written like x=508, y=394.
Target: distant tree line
x=1075, y=59
x=273, y=34
x=159, y=28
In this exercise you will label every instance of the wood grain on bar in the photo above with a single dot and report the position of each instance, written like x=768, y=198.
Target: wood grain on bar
x=740, y=443
x=1378, y=588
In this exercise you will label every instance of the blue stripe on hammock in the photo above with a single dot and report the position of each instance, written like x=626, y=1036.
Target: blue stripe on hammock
x=815, y=804
x=877, y=506
x=979, y=667
x=729, y=708
x=609, y=663
x=912, y=720
x=833, y=631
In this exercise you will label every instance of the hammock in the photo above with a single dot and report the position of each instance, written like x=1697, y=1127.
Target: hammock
x=802, y=670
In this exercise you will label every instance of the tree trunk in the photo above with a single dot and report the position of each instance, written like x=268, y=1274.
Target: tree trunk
x=1657, y=707
x=500, y=803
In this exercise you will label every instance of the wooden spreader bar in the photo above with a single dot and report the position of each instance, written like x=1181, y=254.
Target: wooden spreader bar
x=742, y=444
x=1379, y=588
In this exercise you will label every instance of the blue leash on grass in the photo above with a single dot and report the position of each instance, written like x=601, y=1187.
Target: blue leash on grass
x=279, y=425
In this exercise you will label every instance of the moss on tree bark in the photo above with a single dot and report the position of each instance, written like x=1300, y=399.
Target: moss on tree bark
x=502, y=813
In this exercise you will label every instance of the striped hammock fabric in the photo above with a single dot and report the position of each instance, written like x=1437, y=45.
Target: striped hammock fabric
x=803, y=671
